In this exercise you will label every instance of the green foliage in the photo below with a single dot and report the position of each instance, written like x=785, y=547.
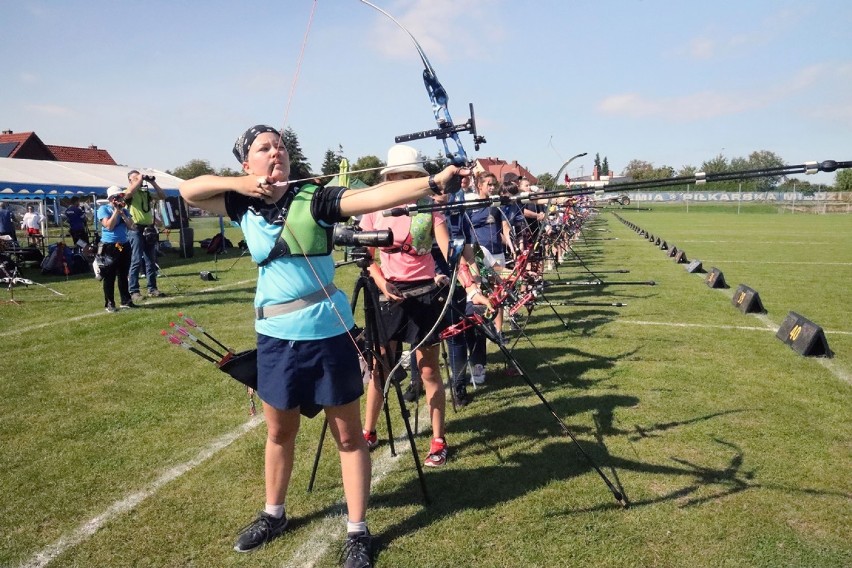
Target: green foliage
x=371, y=177
x=331, y=161
x=641, y=171
x=843, y=180
x=605, y=167
x=192, y=169
x=546, y=181
x=299, y=166
x=436, y=164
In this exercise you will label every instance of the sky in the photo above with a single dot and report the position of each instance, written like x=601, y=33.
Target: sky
x=159, y=83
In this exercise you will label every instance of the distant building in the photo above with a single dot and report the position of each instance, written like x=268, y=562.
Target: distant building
x=596, y=180
x=28, y=146
x=500, y=168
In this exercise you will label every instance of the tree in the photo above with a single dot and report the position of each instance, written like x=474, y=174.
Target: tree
x=228, y=172
x=717, y=165
x=686, y=171
x=641, y=170
x=843, y=181
x=331, y=162
x=299, y=166
x=191, y=169
x=598, y=162
x=435, y=165
x=605, y=167
x=546, y=182
x=764, y=159
x=368, y=162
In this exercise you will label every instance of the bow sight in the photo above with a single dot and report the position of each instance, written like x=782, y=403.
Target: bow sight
x=446, y=130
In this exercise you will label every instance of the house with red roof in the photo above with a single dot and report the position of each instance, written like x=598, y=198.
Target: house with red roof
x=500, y=168
x=28, y=146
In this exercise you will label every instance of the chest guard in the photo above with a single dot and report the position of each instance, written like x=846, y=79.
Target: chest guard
x=300, y=234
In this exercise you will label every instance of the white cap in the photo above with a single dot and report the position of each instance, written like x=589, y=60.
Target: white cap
x=113, y=190
x=402, y=158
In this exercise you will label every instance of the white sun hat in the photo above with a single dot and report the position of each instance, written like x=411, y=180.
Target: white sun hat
x=402, y=158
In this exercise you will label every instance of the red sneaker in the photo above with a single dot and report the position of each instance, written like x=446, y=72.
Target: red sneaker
x=438, y=451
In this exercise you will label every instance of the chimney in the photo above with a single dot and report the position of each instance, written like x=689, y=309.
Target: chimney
x=7, y=131
x=92, y=147
x=595, y=174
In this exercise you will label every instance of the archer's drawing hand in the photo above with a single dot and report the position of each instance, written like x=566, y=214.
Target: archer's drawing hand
x=442, y=280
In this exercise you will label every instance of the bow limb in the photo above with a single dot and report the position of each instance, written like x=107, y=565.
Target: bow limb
x=439, y=98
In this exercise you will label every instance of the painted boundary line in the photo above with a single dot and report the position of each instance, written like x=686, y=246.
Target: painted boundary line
x=90, y=527
x=307, y=555
x=103, y=313
x=781, y=262
x=833, y=367
x=712, y=326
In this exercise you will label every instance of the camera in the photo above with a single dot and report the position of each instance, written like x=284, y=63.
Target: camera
x=148, y=178
x=348, y=236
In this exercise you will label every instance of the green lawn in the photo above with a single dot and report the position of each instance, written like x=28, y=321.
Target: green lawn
x=733, y=450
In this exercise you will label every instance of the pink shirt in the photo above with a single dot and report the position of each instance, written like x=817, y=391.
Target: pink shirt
x=401, y=266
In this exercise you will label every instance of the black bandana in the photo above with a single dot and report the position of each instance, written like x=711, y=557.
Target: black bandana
x=243, y=143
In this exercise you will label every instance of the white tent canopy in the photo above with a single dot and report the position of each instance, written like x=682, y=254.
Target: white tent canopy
x=43, y=179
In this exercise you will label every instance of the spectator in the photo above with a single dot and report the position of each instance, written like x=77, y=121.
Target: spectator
x=7, y=221
x=144, y=237
x=114, y=248
x=77, y=222
x=31, y=223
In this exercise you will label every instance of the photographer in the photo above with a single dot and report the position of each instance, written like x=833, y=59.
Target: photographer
x=144, y=238
x=114, y=248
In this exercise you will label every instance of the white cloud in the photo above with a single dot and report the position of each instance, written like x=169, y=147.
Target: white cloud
x=711, y=104
x=444, y=28
x=719, y=44
x=695, y=106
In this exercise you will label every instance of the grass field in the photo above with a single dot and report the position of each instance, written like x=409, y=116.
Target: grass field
x=122, y=450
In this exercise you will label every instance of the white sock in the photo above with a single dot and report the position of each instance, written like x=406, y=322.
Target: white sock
x=276, y=511
x=356, y=527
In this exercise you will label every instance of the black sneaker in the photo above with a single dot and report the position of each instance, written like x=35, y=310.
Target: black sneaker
x=413, y=391
x=357, y=552
x=260, y=531
x=111, y=308
x=128, y=305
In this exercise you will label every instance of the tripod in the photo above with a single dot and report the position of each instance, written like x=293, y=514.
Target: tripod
x=373, y=342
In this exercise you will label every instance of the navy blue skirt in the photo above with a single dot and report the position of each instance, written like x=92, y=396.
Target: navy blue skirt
x=309, y=374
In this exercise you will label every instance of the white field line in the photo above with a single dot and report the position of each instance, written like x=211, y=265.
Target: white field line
x=307, y=555
x=101, y=312
x=90, y=527
x=762, y=242
x=712, y=326
x=330, y=530
x=833, y=367
x=782, y=262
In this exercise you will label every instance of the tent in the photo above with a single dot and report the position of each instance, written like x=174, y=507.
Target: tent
x=354, y=183
x=43, y=180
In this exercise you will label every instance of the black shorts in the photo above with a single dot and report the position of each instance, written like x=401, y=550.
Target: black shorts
x=410, y=320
